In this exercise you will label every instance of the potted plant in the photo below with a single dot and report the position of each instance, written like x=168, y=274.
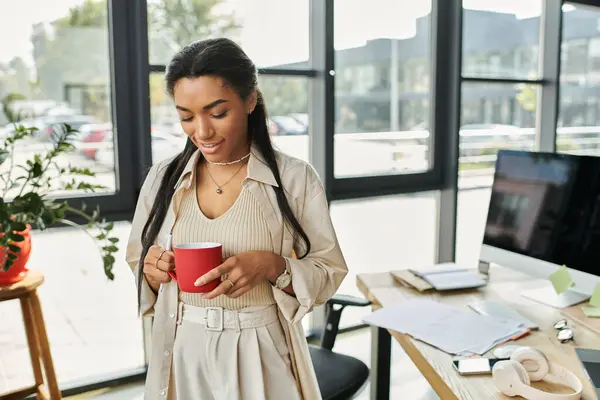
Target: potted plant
x=26, y=202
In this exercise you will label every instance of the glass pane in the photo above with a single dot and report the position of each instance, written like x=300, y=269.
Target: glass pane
x=579, y=108
x=168, y=137
x=501, y=38
x=92, y=323
x=382, y=85
x=493, y=117
x=287, y=106
x=383, y=234
x=56, y=69
x=262, y=27
x=54, y=61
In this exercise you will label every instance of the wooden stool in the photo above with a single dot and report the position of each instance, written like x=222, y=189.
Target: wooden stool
x=37, y=339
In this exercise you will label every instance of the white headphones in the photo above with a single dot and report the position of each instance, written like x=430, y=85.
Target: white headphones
x=513, y=377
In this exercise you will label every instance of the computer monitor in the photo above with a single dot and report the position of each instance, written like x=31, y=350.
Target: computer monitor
x=544, y=212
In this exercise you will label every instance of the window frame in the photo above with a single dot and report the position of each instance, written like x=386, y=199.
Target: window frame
x=346, y=188
x=546, y=110
x=130, y=102
x=129, y=95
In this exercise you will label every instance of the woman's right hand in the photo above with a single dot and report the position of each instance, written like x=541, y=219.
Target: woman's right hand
x=157, y=263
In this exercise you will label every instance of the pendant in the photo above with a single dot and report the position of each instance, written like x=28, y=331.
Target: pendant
x=219, y=191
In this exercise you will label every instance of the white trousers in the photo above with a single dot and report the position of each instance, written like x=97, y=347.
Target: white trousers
x=247, y=360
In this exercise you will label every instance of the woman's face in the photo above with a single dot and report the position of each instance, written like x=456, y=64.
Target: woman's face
x=214, y=117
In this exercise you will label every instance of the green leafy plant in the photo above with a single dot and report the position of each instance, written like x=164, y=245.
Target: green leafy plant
x=25, y=190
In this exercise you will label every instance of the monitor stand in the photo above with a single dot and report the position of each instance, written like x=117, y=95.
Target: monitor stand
x=483, y=267
x=548, y=296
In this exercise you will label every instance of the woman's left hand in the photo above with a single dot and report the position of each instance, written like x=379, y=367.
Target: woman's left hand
x=243, y=272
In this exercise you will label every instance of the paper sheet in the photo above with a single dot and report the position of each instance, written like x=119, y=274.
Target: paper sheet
x=595, y=300
x=498, y=309
x=591, y=312
x=451, y=329
x=561, y=280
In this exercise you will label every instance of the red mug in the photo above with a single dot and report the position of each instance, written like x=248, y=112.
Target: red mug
x=192, y=260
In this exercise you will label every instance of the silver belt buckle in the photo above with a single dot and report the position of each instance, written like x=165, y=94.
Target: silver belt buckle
x=214, y=319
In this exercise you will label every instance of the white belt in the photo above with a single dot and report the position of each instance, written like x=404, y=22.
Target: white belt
x=218, y=318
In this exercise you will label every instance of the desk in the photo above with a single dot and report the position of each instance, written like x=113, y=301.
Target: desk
x=504, y=285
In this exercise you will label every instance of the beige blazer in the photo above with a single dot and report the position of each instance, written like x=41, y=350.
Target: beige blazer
x=315, y=278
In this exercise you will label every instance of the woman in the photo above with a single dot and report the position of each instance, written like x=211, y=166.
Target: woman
x=230, y=186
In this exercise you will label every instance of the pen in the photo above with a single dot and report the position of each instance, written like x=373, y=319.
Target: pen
x=169, y=241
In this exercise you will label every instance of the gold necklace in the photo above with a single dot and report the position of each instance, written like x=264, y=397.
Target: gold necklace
x=228, y=162
x=219, y=190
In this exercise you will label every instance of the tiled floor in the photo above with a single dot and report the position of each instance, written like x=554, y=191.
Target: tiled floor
x=407, y=381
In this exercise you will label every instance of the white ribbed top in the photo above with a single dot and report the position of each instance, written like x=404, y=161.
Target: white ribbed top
x=242, y=228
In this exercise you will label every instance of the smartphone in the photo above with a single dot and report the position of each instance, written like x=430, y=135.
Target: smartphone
x=476, y=365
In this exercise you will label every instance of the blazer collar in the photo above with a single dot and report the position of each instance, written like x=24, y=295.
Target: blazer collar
x=258, y=169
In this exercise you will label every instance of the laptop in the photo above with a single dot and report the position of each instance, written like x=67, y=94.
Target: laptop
x=591, y=365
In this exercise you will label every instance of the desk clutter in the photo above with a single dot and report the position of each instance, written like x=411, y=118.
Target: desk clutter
x=444, y=327
x=588, y=313
x=457, y=331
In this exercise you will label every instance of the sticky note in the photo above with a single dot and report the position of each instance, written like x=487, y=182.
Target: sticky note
x=561, y=280
x=592, y=312
x=595, y=300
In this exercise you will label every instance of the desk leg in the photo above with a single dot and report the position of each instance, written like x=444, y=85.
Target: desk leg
x=381, y=354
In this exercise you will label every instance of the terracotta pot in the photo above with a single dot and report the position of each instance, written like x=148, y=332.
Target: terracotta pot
x=18, y=270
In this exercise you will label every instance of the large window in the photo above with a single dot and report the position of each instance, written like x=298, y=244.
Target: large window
x=265, y=29
x=578, y=129
x=55, y=67
x=287, y=105
x=56, y=70
x=167, y=136
x=500, y=46
x=494, y=116
x=382, y=86
x=379, y=96
x=252, y=24
x=501, y=39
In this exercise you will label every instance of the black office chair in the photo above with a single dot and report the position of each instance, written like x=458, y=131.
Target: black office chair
x=340, y=377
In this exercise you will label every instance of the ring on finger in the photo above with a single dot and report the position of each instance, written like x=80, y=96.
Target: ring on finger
x=159, y=258
x=231, y=283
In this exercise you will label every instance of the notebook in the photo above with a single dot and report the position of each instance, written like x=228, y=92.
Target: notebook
x=409, y=279
x=449, y=276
